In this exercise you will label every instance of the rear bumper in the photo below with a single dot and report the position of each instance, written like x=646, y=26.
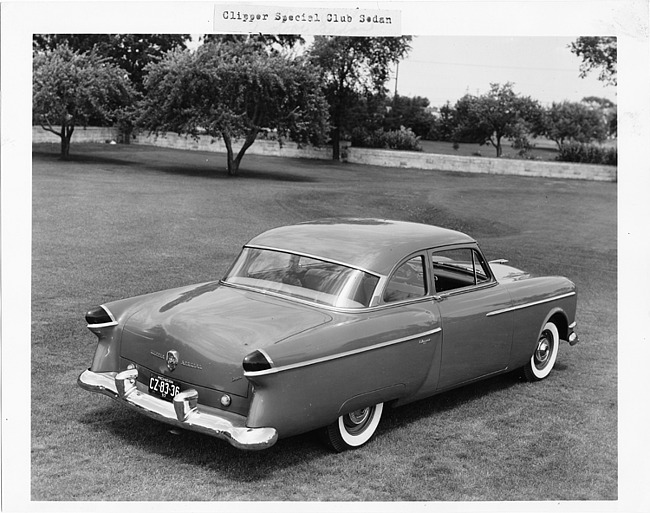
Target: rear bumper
x=184, y=411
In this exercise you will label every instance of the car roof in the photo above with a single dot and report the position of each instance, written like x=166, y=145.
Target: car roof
x=374, y=245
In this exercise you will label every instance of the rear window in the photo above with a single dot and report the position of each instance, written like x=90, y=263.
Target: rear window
x=303, y=277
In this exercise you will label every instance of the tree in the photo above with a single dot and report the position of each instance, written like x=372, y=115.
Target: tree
x=413, y=113
x=607, y=110
x=498, y=114
x=597, y=53
x=271, y=43
x=234, y=89
x=132, y=52
x=352, y=66
x=572, y=121
x=444, y=124
x=69, y=88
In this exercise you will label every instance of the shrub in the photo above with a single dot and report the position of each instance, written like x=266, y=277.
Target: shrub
x=522, y=144
x=402, y=139
x=588, y=154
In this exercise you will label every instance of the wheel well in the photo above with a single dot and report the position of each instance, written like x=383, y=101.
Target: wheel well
x=560, y=320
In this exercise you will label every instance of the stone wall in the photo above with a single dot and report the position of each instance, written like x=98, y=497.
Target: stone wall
x=373, y=157
x=80, y=135
x=260, y=147
x=417, y=160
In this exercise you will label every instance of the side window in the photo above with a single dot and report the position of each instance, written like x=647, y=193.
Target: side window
x=458, y=268
x=407, y=282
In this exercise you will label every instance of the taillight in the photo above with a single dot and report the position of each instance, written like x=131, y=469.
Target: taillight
x=99, y=317
x=256, y=361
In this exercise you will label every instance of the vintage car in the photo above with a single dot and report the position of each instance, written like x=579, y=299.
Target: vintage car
x=319, y=325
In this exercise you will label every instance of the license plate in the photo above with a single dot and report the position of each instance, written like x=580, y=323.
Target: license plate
x=163, y=387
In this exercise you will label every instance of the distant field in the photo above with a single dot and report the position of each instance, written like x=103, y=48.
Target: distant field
x=544, y=149
x=118, y=221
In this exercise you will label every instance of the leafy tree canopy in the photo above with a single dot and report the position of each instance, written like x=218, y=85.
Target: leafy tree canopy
x=500, y=113
x=608, y=111
x=69, y=88
x=270, y=43
x=232, y=89
x=132, y=52
x=573, y=121
x=597, y=53
x=413, y=113
x=353, y=66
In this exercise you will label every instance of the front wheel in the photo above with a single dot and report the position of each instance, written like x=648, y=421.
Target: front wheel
x=543, y=359
x=354, y=429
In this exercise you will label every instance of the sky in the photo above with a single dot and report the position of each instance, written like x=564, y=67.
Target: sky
x=444, y=68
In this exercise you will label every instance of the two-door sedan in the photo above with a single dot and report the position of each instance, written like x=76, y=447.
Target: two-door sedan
x=319, y=325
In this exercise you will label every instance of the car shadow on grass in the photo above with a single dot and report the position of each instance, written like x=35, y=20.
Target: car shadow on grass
x=217, y=456
x=448, y=401
x=185, y=447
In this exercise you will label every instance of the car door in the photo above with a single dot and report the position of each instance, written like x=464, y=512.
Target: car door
x=473, y=344
x=407, y=306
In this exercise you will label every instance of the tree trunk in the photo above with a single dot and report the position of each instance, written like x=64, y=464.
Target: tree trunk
x=496, y=142
x=336, y=131
x=336, y=144
x=233, y=167
x=66, y=135
x=234, y=162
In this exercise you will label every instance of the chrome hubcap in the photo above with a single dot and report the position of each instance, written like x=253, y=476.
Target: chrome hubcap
x=543, y=351
x=359, y=416
x=357, y=421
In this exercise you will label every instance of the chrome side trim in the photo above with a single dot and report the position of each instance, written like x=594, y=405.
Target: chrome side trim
x=526, y=305
x=340, y=355
x=184, y=411
x=266, y=355
x=103, y=325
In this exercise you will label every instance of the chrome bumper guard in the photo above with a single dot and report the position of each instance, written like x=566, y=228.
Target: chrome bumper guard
x=573, y=336
x=184, y=411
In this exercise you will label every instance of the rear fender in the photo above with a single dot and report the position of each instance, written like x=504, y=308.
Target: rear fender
x=107, y=354
x=307, y=397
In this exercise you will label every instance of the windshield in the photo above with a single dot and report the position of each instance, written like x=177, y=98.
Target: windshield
x=303, y=277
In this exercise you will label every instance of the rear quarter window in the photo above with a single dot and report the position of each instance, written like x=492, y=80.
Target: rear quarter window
x=407, y=282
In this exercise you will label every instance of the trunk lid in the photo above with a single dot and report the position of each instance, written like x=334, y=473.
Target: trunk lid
x=506, y=273
x=211, y=328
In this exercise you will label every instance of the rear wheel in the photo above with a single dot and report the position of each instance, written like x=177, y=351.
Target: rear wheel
x=543, y=359
x=354, y=429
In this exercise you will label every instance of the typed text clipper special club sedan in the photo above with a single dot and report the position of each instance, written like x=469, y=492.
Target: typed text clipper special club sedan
x=319, y=325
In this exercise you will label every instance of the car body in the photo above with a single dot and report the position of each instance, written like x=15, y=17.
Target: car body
x=321, y=324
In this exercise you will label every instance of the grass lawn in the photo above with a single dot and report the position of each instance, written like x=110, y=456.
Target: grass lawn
x=118, y=221
x=544, y=149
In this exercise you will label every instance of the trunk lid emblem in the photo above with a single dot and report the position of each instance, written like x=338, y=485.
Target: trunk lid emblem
x=172, y=359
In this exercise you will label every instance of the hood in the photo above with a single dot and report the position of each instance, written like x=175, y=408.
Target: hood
x=212, y=327
x=505, y=273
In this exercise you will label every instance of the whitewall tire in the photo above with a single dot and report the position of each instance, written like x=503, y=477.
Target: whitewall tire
x=543, y=359
x=354, y=429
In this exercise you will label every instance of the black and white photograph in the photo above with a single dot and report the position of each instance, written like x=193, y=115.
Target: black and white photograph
x=369, y=257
